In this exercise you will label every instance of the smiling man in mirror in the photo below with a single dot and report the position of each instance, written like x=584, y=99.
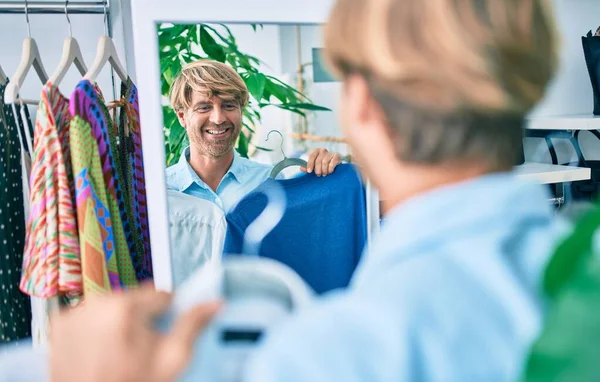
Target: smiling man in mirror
x=433, y=105
x=209, y=97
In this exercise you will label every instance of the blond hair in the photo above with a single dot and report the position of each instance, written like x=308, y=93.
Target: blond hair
x=428, y=60
x=211, y=78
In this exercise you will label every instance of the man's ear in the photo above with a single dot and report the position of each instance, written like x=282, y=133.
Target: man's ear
x=181, y=117
x=365, y=108
x=357, y=96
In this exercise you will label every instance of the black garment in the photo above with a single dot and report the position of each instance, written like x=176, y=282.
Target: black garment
x=15, y=307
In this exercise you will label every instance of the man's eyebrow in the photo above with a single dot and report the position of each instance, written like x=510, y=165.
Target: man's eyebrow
x=202, y=103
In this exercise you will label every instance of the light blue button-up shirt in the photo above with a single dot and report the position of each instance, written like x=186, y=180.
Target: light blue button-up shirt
x=243, y=176
x=449, y=292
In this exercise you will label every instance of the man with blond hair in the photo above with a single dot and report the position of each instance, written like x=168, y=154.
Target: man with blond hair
x=434, y=98
x=209, y=98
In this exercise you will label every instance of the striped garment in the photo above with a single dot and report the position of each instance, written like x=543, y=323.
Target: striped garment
x=131, y=170
x=51, y=262
x=86, y=104
x=99, y=268
x=132, y=112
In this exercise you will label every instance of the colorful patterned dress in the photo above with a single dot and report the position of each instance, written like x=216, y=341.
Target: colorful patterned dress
x=137, y=165
x=133, y=170
x=101, y=227
x=15, y=308
x=51, y=264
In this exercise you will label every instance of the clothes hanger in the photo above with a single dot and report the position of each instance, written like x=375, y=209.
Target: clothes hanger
x=106, y=53
x=30, y=56
x=286, y=162
x=71, y=54
x=266, y=221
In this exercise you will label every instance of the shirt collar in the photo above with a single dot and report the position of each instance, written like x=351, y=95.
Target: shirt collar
x=187, y=176
x=441, y=215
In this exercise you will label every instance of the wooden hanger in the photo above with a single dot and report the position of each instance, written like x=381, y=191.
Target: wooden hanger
x=106, y=53
x=71, y=54
x=30, y=56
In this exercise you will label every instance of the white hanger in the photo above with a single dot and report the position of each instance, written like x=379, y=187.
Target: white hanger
x=71, y=54
x=30, y=56
x=106, y=53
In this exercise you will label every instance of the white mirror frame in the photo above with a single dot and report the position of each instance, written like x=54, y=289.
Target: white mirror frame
x=146, y=15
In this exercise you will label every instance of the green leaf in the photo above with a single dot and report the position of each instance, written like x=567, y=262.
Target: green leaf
x=571, y=253
x=295, y=94
x=256, y=85
x=165, y=63
x=227, y=40
x=165, y=87
x=284, y=107
x=307, y=106
x=568, y=347
x=276, y=90
x=175, y=67
x=195, y=56
x=210, y=46
x=263, y=148
x=242, y=146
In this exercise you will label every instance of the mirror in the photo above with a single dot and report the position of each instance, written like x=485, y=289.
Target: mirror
x=243, y=107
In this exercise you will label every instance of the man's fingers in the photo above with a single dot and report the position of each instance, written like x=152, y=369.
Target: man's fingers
x=189, y=326
x=177, y=347
x=319, y=165
x=311, y=160
x=335, y=161
x=148, y=302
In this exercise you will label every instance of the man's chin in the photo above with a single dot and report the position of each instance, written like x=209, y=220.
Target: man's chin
x=219, y=151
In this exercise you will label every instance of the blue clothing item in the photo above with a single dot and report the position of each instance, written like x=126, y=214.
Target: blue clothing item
x=450, y=291
x=323, y=230
x=243, y=176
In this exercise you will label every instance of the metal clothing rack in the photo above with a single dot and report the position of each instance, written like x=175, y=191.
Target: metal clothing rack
x=66, y=7
x=54, y=7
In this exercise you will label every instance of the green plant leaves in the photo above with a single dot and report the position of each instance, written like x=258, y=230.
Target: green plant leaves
x=568, y=347
x=210, y=46
x=571, y=253
x=308, y=106
x=256, y=83
x=242, y=145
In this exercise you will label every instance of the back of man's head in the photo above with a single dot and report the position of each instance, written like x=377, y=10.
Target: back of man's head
x=454, y=78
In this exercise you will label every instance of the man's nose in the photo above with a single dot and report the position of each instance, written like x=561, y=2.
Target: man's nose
x=217, y=116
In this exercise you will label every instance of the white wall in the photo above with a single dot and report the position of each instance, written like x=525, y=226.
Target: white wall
x=324, y=94
x=571, y=91
x=49, y=31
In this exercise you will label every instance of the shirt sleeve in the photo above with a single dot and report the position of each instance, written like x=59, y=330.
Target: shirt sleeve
x=338, y=340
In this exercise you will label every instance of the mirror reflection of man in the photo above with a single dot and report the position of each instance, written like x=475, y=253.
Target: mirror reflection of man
x=434, y=99
x=209, y=98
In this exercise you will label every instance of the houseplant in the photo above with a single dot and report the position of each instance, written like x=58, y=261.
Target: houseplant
x=567, y=348
x=181, y=44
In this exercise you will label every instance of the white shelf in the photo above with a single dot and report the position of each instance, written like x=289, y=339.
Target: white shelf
x=564, y=122
x=546, y=173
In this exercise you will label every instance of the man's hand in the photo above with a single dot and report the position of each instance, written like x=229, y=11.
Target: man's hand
x=322, y=162
x=112, y=338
